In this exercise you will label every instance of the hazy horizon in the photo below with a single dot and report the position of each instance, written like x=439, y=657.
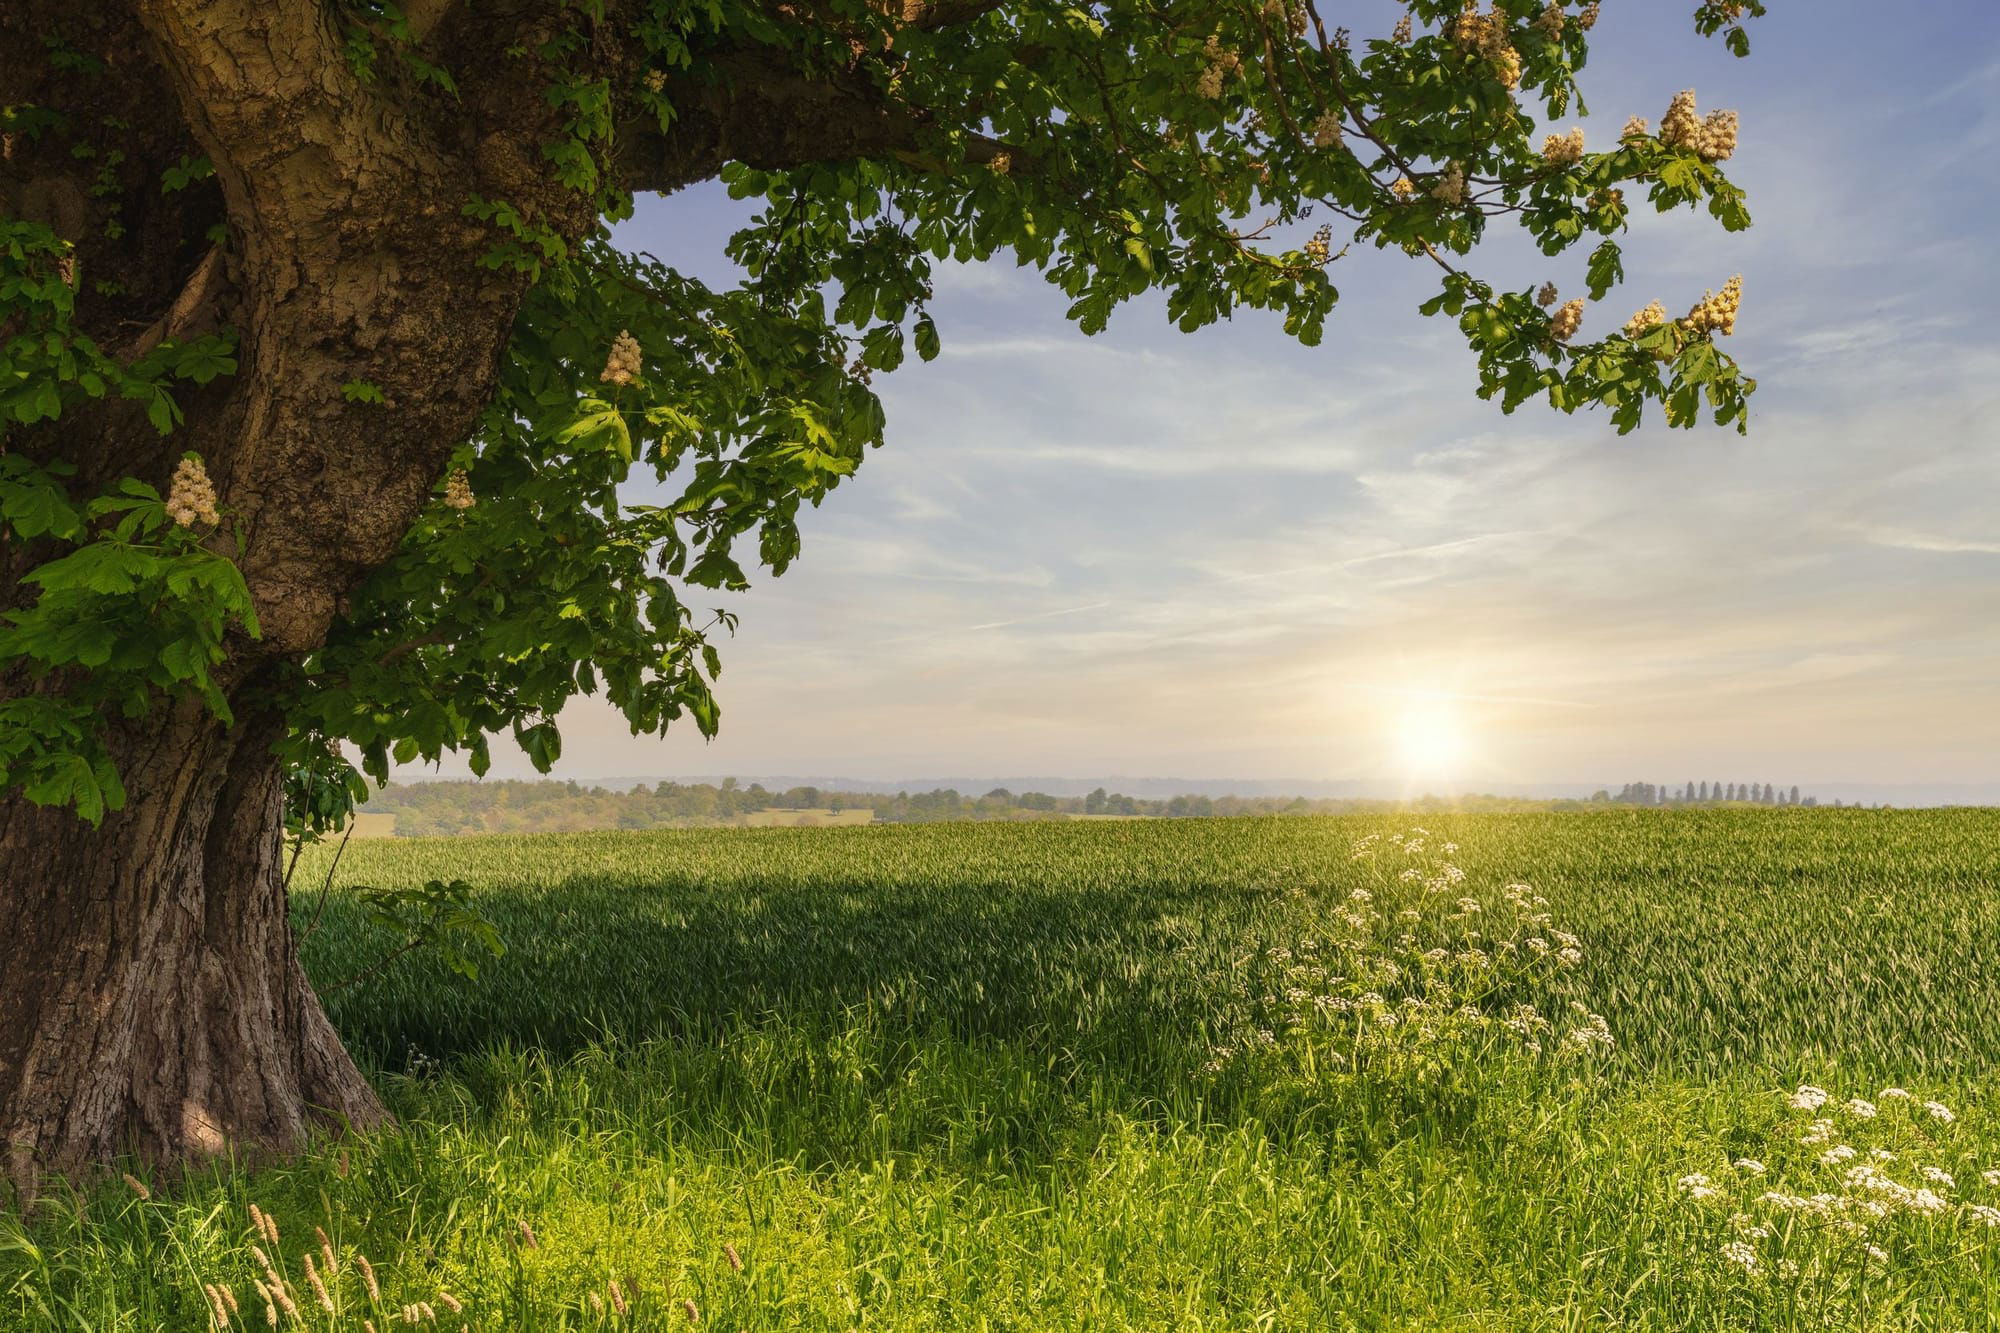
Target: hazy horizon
x=1150, y=552
x=1156, y=787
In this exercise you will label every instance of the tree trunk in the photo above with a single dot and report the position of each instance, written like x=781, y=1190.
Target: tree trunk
x=150, y=987
x=151, y=999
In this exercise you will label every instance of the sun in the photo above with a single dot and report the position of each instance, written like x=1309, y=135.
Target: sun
x=1430, y=739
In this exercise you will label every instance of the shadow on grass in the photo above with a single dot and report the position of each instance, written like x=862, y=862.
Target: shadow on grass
x=985, y=1020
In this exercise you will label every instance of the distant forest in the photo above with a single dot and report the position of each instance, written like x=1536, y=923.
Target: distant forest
x=429, y=809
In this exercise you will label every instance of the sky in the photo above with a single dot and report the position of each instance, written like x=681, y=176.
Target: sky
x=1224, y=555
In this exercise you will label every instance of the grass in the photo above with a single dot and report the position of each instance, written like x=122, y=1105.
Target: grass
x=1011, y=1077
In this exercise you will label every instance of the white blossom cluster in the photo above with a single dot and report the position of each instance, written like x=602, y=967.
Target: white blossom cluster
x=458, y=489
x=1487, y=35
x=623, y=364
x=1561, y=150
x=1407, y=981
x=1850, y=1200
x=1450, y=186
x=1716, y=311
x=1713, y=138
x=1567, y=319
x=1651, y=317
x=1221, y=63
x=191, y=495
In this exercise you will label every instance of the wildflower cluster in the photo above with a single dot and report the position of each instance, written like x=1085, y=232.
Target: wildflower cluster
x=1547, y=296
x=1561, y=150
x=1550, y=21
x=1849, y=1186
x=1416, y=974
x=191, y=495
x=458, y=489
x=1588, y=18
x=623, y=364
x=1222, y=62
x=1486, y=35
x=1404, y=189
x=1326, y=131
x=1714, y=138
x=1319, y=248
x=1716, y=311
x=1402, y=32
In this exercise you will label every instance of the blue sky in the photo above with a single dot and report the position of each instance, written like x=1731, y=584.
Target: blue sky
x=1225, y=555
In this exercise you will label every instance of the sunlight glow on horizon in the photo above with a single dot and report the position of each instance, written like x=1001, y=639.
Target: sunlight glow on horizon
x=1430, y=739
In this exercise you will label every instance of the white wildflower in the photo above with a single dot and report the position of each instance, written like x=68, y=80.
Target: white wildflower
x=1698, y=1186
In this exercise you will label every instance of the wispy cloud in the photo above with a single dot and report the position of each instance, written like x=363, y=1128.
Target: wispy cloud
x=1147, y=551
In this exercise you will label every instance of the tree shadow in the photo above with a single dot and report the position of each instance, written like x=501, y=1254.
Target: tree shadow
x=993, y=1017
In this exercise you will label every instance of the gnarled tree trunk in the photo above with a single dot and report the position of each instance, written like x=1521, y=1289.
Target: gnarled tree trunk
x=152, y=995
x=151, y=998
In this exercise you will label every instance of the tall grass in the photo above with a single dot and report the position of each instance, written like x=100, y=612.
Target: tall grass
x=1109, y=1076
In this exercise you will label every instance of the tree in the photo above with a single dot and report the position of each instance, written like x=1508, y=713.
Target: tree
x=319, y=374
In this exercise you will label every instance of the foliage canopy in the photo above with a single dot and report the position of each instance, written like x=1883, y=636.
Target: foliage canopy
x=1179, y=146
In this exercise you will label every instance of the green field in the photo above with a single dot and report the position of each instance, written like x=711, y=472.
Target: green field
x=1187, y=1074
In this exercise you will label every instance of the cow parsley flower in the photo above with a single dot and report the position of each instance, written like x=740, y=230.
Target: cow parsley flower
x=1698, y=1186
x=1742, y=1254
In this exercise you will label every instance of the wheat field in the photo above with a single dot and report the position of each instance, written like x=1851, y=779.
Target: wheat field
x=1647, y=1070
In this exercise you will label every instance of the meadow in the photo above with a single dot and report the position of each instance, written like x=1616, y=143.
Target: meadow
x=1632, y=1069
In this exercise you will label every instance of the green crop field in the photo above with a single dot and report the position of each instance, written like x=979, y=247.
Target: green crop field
x=1648, y=1070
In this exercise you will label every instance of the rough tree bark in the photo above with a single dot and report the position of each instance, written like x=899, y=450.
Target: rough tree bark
x=154, y=1002
x=151, y=998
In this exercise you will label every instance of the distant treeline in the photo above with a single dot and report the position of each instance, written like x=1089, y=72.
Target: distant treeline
x=429, y=809
x=1706, y=793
